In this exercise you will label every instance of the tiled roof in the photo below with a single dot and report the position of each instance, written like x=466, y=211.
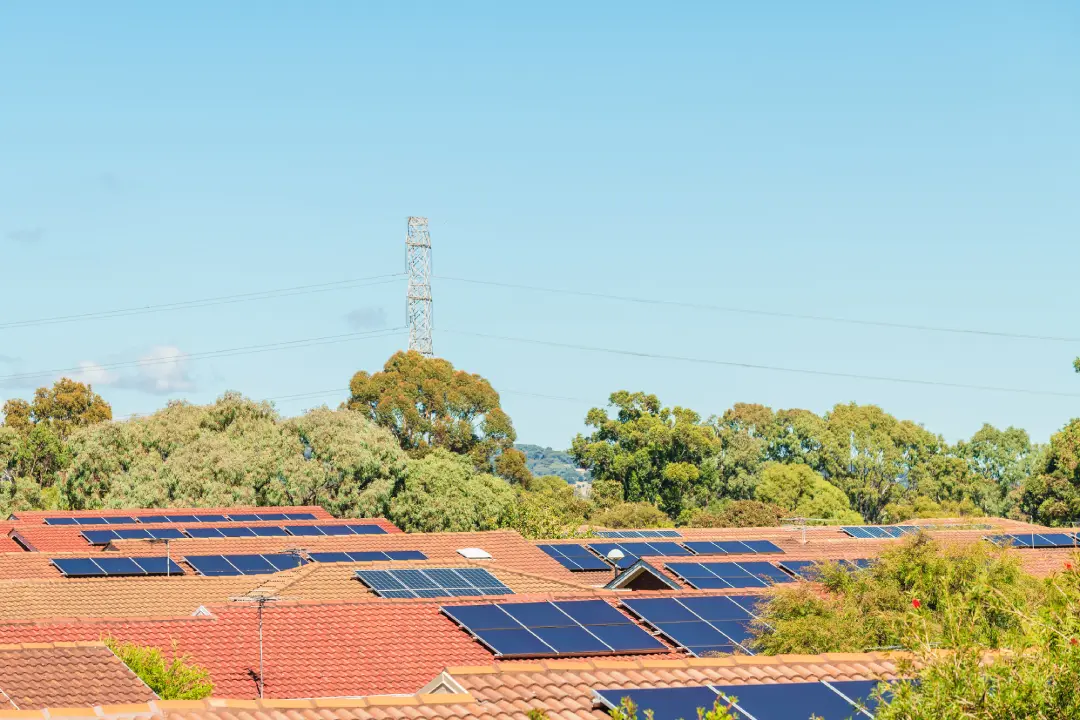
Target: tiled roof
x=66, y=674
x=37, y=517
x=61, y=597
x=507, y=691
x=310, y=650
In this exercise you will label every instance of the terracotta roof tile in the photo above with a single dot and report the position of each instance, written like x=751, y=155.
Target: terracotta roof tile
x=507, y=692
x=66, y=675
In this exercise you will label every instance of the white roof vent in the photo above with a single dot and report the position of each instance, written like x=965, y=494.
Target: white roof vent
x=474, y=553
x=202, y=611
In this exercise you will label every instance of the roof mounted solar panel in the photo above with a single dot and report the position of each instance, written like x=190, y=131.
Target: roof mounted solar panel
x=61, y=521
x=300, y=516
x=788, y=700
x=204, y=532
x=273, y=516
x=304, y=530
x=732, y=547
x=158, y=566
x=367, y=556
x=235, y=531
x=150, y=519
x=78, y=567
x=335, y=557
x=575, y=558
x=211, y=518
x=366, y=529
x=284, y=561
x=704, y=626
x=268, y=531
x=638, y=534
x=132, y=534
x=243, y=517
x=718, y=576
x=433, y=582
x=336, y=530
x=251, y=564
x=212, y=565
x=675, y=703
x=118, y=565
x=553, y=629
x=99, y=537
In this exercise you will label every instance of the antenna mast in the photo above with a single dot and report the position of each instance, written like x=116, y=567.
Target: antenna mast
x=418, y=296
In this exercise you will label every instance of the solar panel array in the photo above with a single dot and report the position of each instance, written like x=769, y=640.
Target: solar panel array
x=182, y=518
x=1035, y=540
x=433, y=582
x=575, y=557
x=106, y=566
x=632, y=551
x=702, y=625
x=733, y=547
x=366, y=556
x=880, y=532
x=90, y=521
x=222, y=565
x=638, y=533
x=104, y=537
x=578, y=627
x=808, y=569
x=579, y=558
x=833, y=700
x=717, y=576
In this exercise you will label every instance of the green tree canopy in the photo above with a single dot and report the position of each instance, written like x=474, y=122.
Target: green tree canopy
x=1052, y=495
x=658, y=455
x=232, y=452
x=443, y=492
x=428, y=404
x=802, y=492
x=64, y=407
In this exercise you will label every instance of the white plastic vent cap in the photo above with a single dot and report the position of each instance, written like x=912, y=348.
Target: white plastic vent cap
x=474, y=553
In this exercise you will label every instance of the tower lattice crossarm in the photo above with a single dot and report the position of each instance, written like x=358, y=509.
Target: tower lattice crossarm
x=418, y=295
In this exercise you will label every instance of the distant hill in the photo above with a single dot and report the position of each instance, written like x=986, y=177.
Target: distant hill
x=545, y=461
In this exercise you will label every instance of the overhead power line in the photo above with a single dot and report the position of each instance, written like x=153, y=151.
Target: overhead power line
x=772, y=368
x=349, y=284
x=767, y=313
x=227, y=352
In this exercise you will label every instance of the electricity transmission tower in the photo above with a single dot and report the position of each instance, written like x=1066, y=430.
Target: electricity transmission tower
x=418, y=296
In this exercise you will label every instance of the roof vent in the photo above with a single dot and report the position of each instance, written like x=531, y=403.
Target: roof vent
x=474, y=553
x=202, y=611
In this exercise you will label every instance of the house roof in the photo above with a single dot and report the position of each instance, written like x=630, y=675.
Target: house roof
x=505, y=691
x=66, y=674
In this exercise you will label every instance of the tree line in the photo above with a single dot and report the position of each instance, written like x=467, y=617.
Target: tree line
x=430, y=447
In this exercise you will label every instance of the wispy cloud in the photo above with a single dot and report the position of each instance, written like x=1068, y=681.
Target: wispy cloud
x=367, y=318
x=163, y=370
x=26, y=236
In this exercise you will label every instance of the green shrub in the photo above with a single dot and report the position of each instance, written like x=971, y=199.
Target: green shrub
x=631, y=515
x=176, y=679
x=738, y=513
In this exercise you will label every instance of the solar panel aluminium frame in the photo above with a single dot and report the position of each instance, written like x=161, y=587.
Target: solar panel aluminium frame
x=637, y=534
x=333, y=556
x=294, y=560
x=732, y=547
x=709, y=573
x=569, y=614
x=1036, y=541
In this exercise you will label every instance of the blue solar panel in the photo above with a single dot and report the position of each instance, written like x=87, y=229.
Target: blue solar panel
x=714, y=576
x=116, y=566
x=859, y=692
x=244, y=517
x=300, y=516
x=763, y=546
x=702, y=625
x=603, y=549
x=575, y=557
x=211, y=518
x=78, y=567
x=638, y=533
x=664, y=703
x=148, y=519
x=118, y=520
x=234, y=531
x=99, y=537
x=242, y=564
x=336, y=530
x=158, y=566
x=334, y=557
x=119, y=566
x=879, y=532
x=367, y=529
x=304, y=530
x=284, y=561
x=1034, y=540
x=204, y=532
x=783, y=701
x=268, y=531
x=367, y=556
x=434, y=582
x=60, y=521
x=251, y=564
x=273, y=516
x=132, y=534
x=212, y=565
x=181, y=518
x=577, y=627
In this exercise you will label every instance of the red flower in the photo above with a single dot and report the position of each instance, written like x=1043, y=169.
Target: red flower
x=915, y=603
x=1073, y=641
x=1068, y=566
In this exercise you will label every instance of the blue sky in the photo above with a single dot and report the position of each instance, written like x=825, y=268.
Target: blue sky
x=902, y=162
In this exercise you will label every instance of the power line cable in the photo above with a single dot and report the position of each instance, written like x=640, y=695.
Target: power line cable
x=772, y=368
x=349, y=284
x=227, y=352
x=766, y=313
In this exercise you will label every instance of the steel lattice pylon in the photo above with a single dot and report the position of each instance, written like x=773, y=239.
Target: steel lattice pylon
x=418, y=296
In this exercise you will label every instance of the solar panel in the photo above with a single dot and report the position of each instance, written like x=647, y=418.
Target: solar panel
x=717, y=576
x=879, y=532
x=319, y=530
x=366, y=529
x=638, y=533
x=577, y=627
x=219, y=565
x=300, y=516
x=704, y=626
x=787, y=700
x=810, y=569
x=679, y=703
x=116, y=566
x=367, y=556
x=632, y=551
x=733, y=547
x=244, y=517
x=1034, y=540
x=119, y=520
x=433, y=582
x=267, y=531
x=575, y=557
